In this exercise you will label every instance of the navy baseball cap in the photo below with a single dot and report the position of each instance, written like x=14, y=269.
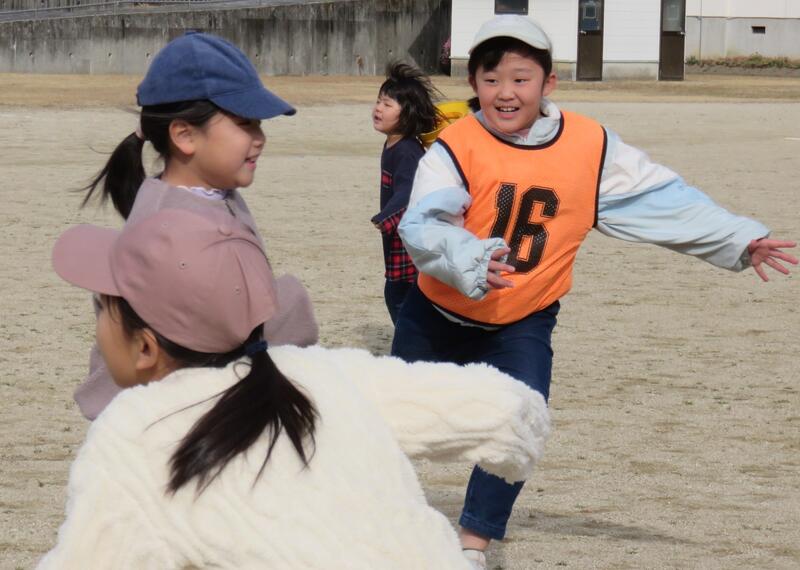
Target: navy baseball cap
x=199, y=66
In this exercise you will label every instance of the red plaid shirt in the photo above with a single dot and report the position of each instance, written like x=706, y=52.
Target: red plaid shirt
x=399, y=266
x=398, y=165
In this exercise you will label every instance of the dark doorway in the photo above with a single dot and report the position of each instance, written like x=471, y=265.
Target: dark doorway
x=673, y=36
x=590, y=40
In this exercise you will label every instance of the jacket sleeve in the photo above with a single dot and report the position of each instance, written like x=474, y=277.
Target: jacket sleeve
x=402, y=179
x=432, y=229
x=641, y=201
x=294, y=323
x=105, y=526
x=445, y=412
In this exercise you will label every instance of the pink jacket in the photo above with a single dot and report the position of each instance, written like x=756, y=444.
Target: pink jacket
x=294, y=324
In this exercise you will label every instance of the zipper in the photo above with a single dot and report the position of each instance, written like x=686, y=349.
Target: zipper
x=228, y=205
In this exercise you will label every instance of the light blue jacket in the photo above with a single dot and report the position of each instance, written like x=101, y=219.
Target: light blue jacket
x=639, y=201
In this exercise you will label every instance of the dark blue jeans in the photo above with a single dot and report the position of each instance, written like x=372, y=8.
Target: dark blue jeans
x=394, y=293
x=521, y=350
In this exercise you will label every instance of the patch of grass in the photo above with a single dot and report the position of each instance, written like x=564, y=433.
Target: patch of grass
x=755, y=61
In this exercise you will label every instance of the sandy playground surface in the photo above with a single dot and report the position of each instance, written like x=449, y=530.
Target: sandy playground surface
x=676, y=405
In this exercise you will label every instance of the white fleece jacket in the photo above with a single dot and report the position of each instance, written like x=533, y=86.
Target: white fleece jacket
x=358, y=505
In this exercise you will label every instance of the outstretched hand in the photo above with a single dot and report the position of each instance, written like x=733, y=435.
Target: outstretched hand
x=495, y=267
x=768, y=252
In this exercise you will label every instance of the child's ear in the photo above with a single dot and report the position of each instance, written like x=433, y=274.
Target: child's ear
x=549, y=84
x=182, y=136
x=473, y=84
x=151, y=362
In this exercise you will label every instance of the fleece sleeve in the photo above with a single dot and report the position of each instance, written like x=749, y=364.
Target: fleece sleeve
x=445, y=412
x=105, y=526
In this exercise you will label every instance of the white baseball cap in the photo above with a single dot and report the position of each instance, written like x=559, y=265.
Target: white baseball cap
x=513, y=26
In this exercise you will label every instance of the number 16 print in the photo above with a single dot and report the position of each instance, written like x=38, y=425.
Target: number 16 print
x=524, y=230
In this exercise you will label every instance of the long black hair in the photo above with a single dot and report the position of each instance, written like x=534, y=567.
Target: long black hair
x=415, y=93
x=124, y=173
x=264, y=399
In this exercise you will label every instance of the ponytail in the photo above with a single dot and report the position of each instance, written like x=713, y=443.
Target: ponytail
x=121, y=176
x=124, y=172
x=264, y=399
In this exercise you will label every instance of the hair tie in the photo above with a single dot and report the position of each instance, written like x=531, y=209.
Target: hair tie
x=256, y=347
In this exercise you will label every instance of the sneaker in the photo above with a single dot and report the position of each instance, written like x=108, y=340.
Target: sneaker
x=476, y=557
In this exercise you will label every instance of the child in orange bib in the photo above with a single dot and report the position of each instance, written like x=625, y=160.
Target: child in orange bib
x=500, y=205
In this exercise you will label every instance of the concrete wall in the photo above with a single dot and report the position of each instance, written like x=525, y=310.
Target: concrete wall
x=38, y=4
x=743, y=8
x=344, y=37
x=708, y=38
x=724, y=28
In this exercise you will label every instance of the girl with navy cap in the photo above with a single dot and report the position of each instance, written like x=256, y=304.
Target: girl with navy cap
x=224, y=452
x=202, y=103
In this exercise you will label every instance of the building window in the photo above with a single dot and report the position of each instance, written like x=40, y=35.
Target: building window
x=673, y=15
x=591, y=14
x=511, y=7
x=759, y=29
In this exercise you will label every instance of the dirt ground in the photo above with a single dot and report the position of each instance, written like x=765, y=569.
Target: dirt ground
x=676, y=406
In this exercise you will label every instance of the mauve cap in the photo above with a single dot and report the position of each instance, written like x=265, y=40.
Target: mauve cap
x=199, y=283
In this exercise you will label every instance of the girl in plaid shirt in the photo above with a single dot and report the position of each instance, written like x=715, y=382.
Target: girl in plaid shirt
x=404, y=110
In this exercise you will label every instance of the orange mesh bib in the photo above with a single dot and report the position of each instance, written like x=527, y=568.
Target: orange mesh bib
x=542, y=200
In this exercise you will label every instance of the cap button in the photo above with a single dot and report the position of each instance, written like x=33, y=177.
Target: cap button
x=225, y=230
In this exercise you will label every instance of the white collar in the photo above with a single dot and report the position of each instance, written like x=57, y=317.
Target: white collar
x=210, y=193
x=542, y=131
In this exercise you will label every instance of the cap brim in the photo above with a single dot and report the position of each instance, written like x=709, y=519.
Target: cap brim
x=256, y=103
x=82, y=255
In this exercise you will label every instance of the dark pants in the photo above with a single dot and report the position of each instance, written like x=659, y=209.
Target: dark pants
x=521, y=350
x=394, y=293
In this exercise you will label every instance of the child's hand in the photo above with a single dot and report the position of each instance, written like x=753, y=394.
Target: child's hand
x=495, y=267
x=768, y=251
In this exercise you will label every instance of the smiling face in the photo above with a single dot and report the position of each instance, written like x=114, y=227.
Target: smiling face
x=221, y=154
x=510, y=95
x=386, y=115
x=226, y=151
